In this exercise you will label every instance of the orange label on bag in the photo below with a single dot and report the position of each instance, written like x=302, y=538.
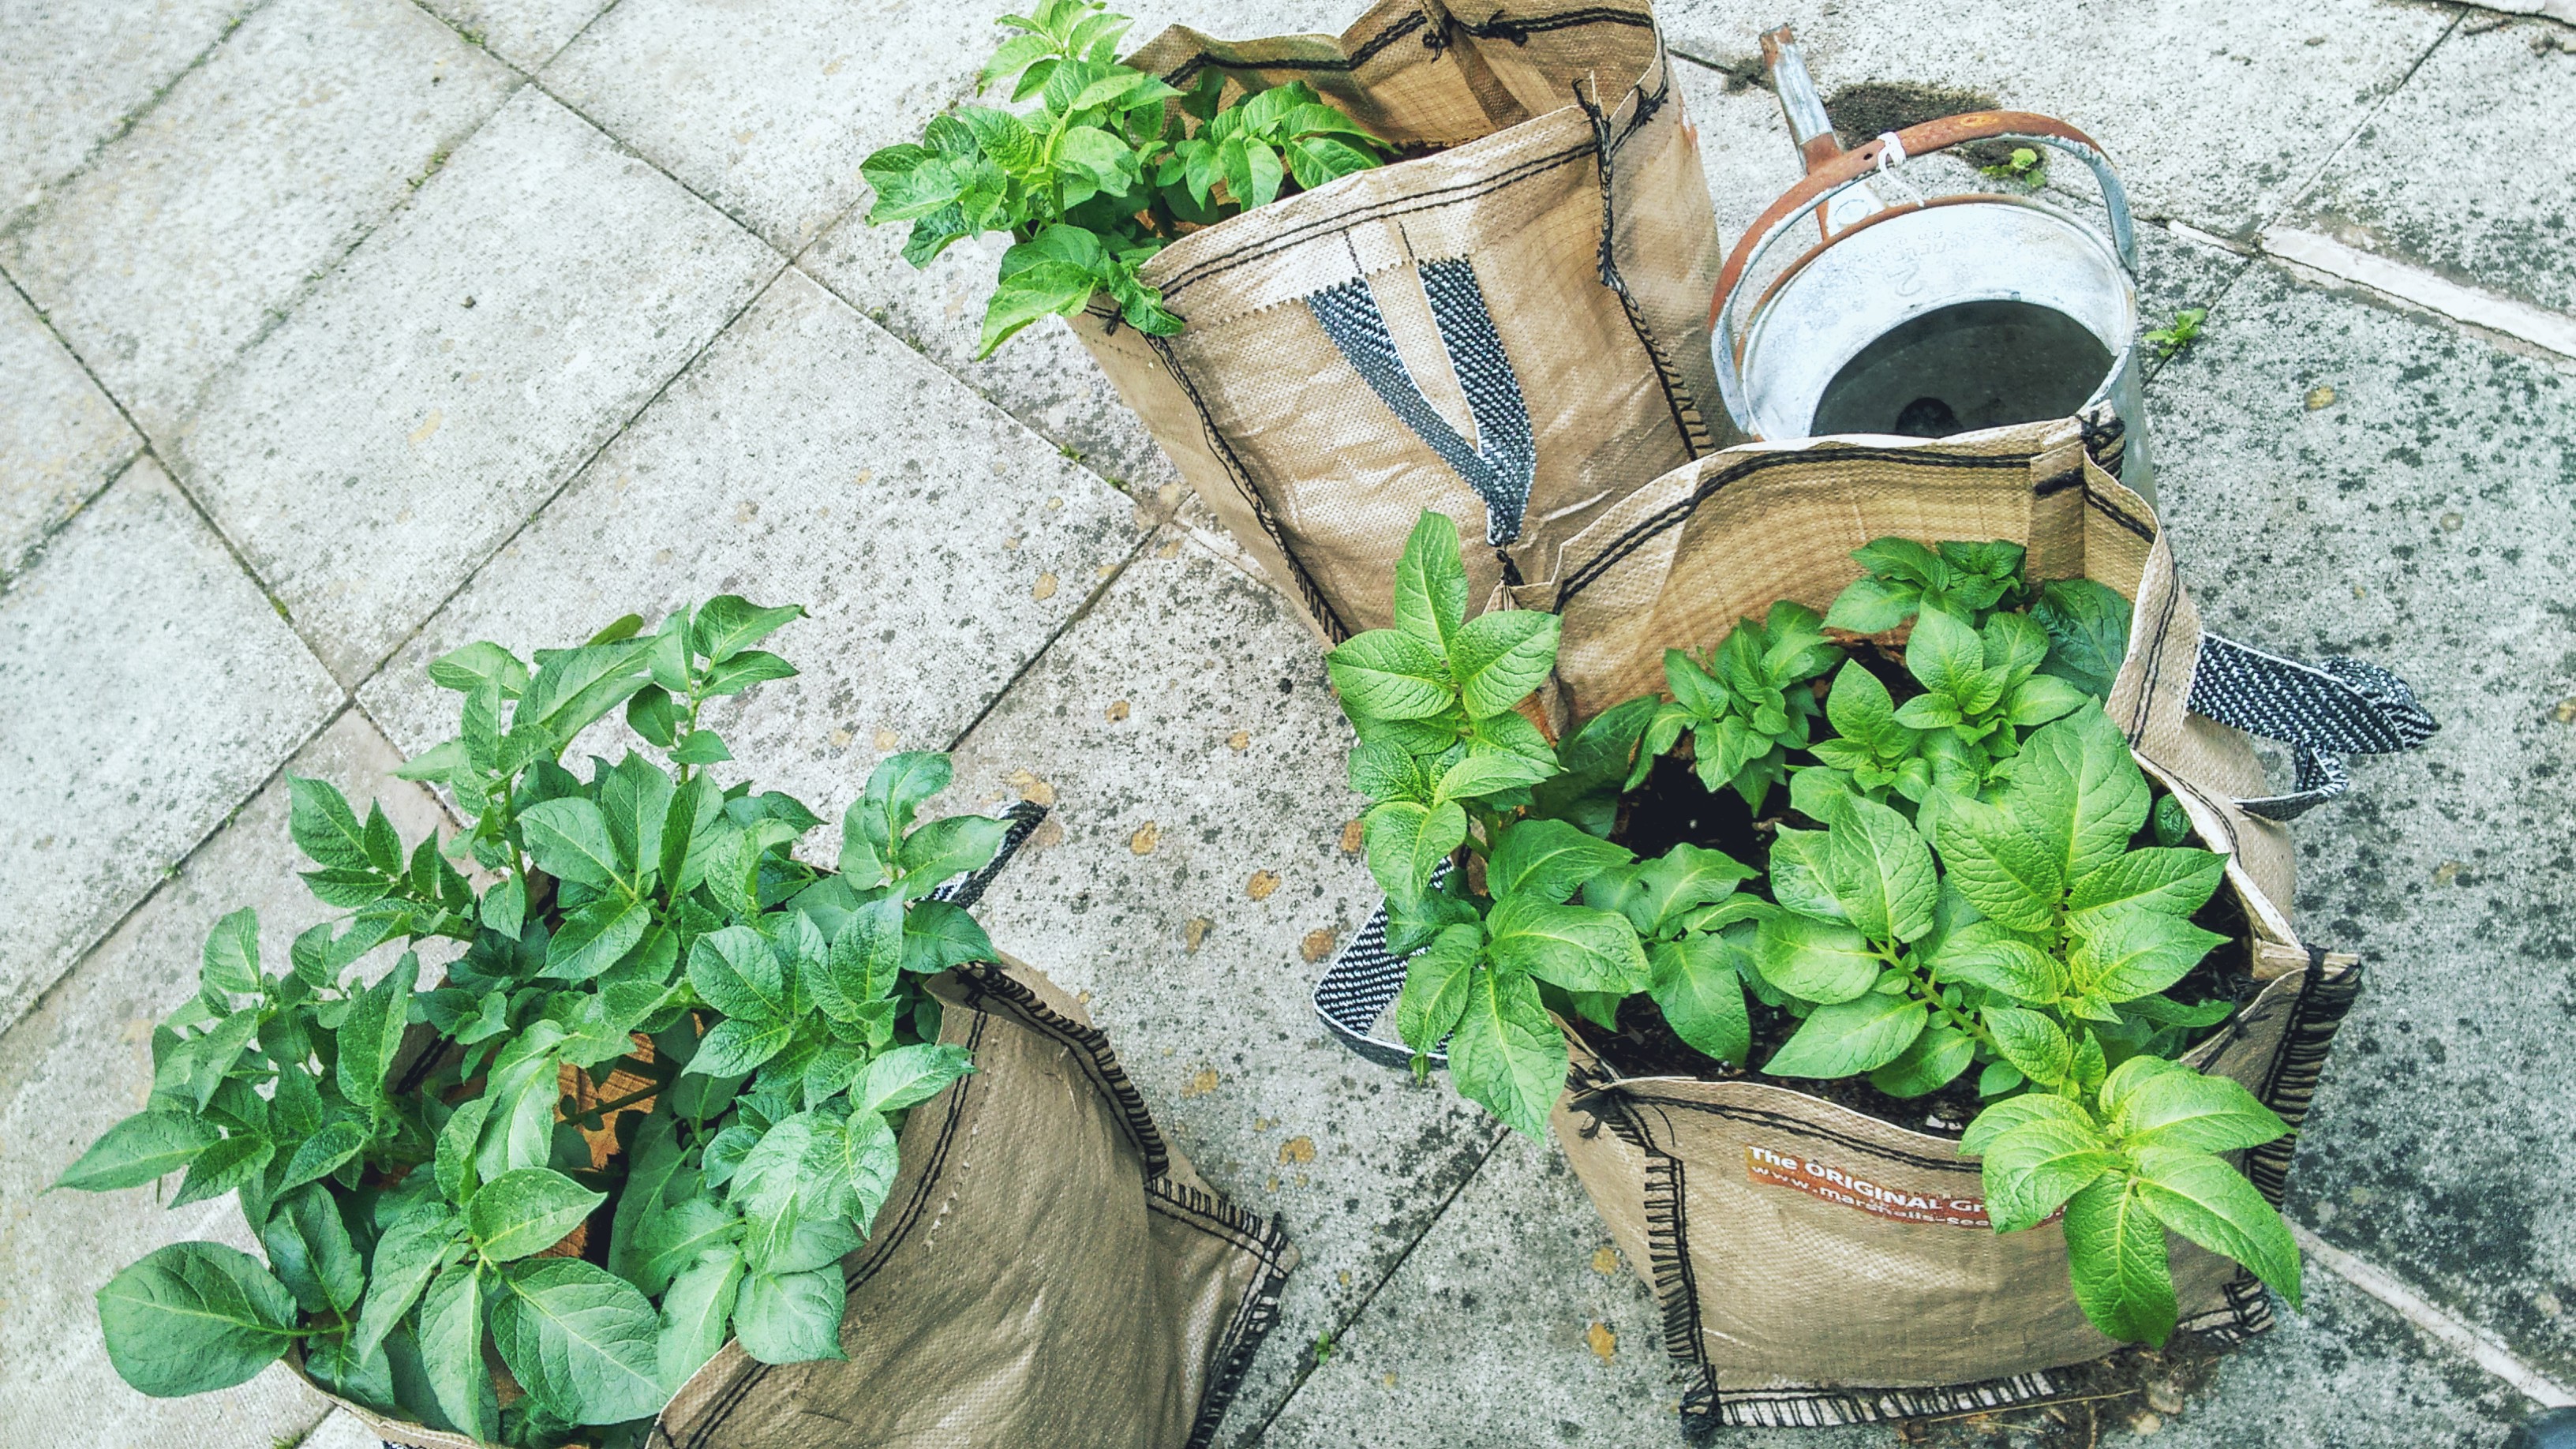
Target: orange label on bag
x=1818, y=1179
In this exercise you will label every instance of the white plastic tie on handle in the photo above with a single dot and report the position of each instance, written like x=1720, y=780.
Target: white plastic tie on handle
x=1891, y=154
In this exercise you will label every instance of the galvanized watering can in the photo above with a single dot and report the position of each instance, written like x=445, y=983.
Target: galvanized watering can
x=1926, y=317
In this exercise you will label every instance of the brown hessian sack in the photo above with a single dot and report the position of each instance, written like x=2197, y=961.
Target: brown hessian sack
x=1816, y=1265
x=1036, y=1179
x=1512, y=328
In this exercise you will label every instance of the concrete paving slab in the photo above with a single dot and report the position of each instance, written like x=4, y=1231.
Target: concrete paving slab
x=766, y=107
x=369, y=452
x=340, y=1431
x=2341, y=479
x=806, y=458
x=169, y=253
x=72, y=72
x=61, y=440
x=1513, y=1322
x=80, y=1062
x=526, y=33
x=151, y=689
x=2346, y=1373
x=2215, y=112
x=1192, y=882
x=2498, y=217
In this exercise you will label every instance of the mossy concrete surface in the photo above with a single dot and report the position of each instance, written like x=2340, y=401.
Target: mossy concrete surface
x=336, y=333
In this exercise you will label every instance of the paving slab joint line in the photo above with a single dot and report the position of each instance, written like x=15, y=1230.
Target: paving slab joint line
x=1306, y=1358
x=1099, y=590
x=2553, y=332
x=2481, y=1347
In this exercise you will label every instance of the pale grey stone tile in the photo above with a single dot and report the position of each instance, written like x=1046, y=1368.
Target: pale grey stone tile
x=60, y=437
x=807, y=458
x=526, y=33
x=260, y=169
x=2341, y=479
x=82, y=1061
x=371, y=451
x=151, y=688
x=73, y=70
x=766, y=107
x=340, y=1431
x=2214, y=112
x=1192, y=883
x=1513, y=1322
x=2464, y=171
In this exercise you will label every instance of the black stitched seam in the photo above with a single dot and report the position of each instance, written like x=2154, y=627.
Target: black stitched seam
x=1687, y=420
x=2290, y=1089
x=1637, y=1091
x=2051, y=487
x=1420, y=201
x=1326, y=617
x=1680, y=511
x=1497, y=28
x=1101, y=1063
x=1255, y=1316
x=1760, y=1408
x=2105, y=507
x=1180, y=76
x=2155, y=652
x=2173, y=780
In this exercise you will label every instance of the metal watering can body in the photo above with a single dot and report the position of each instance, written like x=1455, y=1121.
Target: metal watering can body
x=1927, y=317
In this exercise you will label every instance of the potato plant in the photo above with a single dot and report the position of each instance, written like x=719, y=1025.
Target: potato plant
x=1967, y=892
x=404, y=1148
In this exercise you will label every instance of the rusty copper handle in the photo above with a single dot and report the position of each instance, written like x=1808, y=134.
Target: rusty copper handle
x=1848, y=166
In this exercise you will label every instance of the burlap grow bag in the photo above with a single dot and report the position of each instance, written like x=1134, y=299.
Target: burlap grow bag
x=1048, y=1272
x=1512, y=329
x=1816, y=1265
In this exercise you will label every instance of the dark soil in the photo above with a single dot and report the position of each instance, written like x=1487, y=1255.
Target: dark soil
x=1671, y=808
x=2134, y=1390
x=1862, y=110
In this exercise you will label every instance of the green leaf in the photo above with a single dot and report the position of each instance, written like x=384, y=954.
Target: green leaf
x=451, y=1350
x=146, y=1146
x=2032, y=1043
x=1431, y=583
x=2182, y=1108
x=792, y=1317
x=907, y=1075
x=865, y=960
x=2115, y=1257
x=2001, y=1117
x=1873, y=606
x=231, y=961
x=1574, y=947
x=635, y=800
x=1436, y=984
x=1984, y=954
x=1676, y=884
x=2041, y=698
x=1407, y=842
x=1492, y=774
x=735, y=971
x=321, y=1154
x=568, y=838
x=370, y=1037
x=2033, y=1168
x=577, y=686
x=672, y=1237
x=527, y=1211
x=1813, y=960
x=1847, y=1038
x=2172, y=821
x=2088, y=632
x=1505, y=1054
x=945, y=849
x=1881, y=871
x=407, y=1256
x=1799, y=879
x=518, y=1130
x=1500, y=657
x=1548, y=860
x=728, y=624
x=694, y=1314
x=2211, y=1203
x=235, y=1162
x=897, y=788
x=2128, y=951
x=579, y=1340
x=596, y=937
x=2169, y=881
x=1936, y=1059
x=2007, y=875
x=737, y=1045
x=1945, y=656
x=2077, y=791
x=191, y=1318
x=1387, y=674
x=476, y=665
x=1698, y=984
x=310, y=1252
x=323, y=825
x=741, y=672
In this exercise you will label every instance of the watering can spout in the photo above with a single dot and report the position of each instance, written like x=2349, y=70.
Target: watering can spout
x=1809, y=127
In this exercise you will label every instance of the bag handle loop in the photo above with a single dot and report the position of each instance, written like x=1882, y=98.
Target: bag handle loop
x=2322, y=711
